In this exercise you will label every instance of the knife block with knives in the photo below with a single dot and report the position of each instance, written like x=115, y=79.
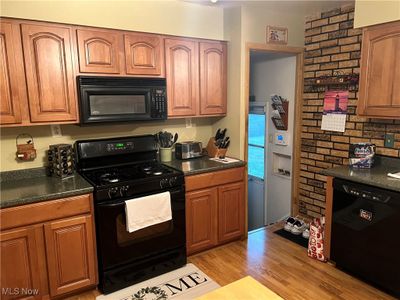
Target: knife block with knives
x=213, y=151
x=218, y=145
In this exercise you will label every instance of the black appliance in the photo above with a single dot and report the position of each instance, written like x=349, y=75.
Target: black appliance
x=121, y=99
x=121, y=169
x=365, y=233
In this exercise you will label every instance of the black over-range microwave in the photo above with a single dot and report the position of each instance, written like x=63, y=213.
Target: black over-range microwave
x=121, y=99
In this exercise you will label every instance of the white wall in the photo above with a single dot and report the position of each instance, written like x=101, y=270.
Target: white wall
x=375, y=12
x=160, y=16
x=275, y=74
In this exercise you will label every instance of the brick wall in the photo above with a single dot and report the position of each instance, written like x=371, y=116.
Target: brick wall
x=332, y=44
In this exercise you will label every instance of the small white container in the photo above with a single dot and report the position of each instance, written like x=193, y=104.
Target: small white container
x=165, y=154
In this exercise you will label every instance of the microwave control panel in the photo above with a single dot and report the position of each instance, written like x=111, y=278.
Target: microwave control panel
x=159, y=104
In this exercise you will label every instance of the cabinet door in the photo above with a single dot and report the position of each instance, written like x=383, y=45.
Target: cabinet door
x=212, y=78
x=182, y=68
x=144, y=54
x=231, y=211
x=201, y=219
x=99, y=51
x=20, y=274
x=380, y=75
x=70, y=254
x=49, y=72
x=12, y=75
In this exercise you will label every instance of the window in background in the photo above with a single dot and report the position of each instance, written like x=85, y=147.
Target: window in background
x=256, y=151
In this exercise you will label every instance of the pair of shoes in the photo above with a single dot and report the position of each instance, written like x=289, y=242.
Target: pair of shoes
x=295, y=225
x=289, y=223
x=298, y=227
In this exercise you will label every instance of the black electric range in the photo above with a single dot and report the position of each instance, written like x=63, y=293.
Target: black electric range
x=121, y=169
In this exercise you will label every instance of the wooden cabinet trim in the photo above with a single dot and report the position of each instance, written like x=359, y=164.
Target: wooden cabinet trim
x=45, y=211
x=205, y=180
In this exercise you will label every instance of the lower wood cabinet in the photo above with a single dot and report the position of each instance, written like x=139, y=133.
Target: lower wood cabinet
x=70, y=253
x=20, y=264
x=52, y=258
x=215, y=209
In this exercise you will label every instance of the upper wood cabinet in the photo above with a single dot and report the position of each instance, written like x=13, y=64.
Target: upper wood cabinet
x=379, y=91
x=12, y=74
x=212, y=78
x=144, y=54
x=100, y=51
x=48, y=56
x=69, y=244
x=182, y=74
x=196, y=77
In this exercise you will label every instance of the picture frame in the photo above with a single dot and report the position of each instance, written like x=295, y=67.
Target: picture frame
x=277, y=35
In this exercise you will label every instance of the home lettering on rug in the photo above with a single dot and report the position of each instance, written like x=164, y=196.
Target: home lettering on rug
x=184, y=283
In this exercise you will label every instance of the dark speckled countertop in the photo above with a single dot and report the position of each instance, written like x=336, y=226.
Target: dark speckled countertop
x=32, y=185
x=201, y=165
x=376, y=176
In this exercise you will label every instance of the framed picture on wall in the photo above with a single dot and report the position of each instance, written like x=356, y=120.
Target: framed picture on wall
x=277, y=35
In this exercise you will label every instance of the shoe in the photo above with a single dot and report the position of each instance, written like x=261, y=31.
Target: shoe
x=289, y=224
x=298, y=227
x=306, y=234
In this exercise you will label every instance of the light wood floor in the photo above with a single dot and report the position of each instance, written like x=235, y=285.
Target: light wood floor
x=280, y=265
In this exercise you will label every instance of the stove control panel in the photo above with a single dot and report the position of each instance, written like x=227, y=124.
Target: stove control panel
x=168, y=182
x=115, y=147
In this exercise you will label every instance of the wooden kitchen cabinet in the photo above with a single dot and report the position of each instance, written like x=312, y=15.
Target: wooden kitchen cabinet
x=144, y=54
x=20, y=263
x=48, y=57
x=70, y=253
x=231, y=211
x=202, y=219
x=213, y=78
x=100, y=51
x=12, y=74
x=182, y=74
x=215, y=208
x=379, y=91
x=196, y=77
x=49, y=246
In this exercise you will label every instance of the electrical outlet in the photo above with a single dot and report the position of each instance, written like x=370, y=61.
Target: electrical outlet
x=188, y=122
x=389, y=140
x=56, y=130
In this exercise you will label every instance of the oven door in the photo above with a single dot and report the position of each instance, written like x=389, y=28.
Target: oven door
x=116, y=246
x=114, y=104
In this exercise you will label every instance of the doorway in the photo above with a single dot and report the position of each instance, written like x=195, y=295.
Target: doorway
x=274, y=92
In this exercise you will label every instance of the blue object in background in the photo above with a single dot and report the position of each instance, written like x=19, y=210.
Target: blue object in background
x=256, y=145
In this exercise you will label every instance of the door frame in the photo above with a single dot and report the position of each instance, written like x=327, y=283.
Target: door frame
x=299, y=52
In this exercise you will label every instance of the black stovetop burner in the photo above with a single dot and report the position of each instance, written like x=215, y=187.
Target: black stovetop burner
x=120, y=174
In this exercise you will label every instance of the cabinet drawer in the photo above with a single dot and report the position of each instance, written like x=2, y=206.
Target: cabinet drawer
x=206, y=180
x=45, y=211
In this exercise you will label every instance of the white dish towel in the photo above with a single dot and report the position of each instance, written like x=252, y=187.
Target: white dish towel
x=146, y=211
